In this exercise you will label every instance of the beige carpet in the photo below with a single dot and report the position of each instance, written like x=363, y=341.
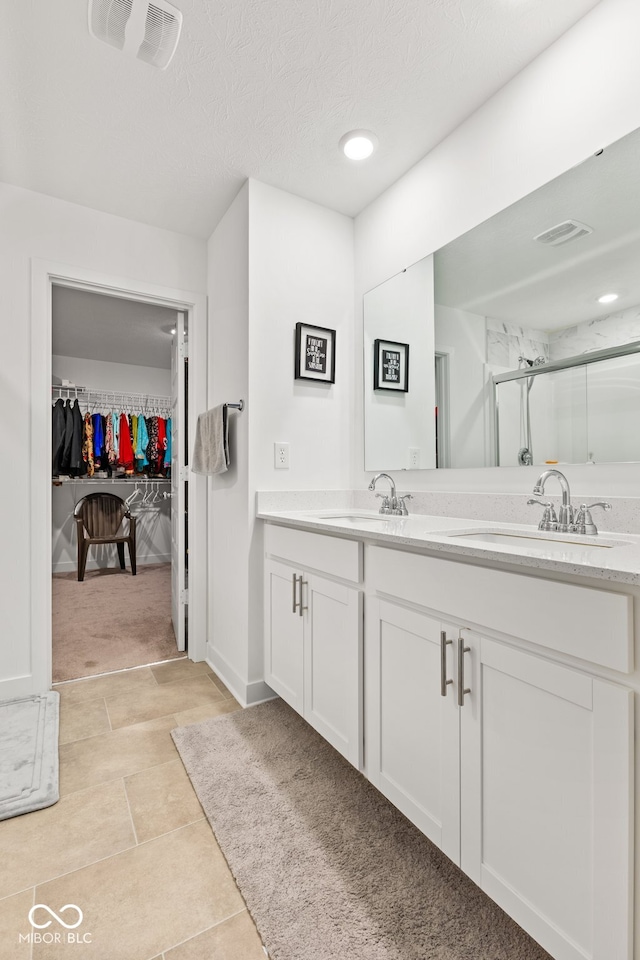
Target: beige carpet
x=111, y=621
x=328, y=868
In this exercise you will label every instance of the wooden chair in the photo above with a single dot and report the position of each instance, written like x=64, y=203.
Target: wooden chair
x=99, y=519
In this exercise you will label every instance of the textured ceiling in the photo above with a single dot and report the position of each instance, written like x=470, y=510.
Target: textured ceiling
x=260, y=88
x=96, y=327
x=498, y=270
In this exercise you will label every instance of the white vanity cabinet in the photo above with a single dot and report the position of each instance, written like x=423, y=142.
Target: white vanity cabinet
x=313, y=632
x=517, y=766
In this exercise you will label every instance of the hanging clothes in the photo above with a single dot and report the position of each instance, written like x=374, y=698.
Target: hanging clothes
x=125, y=456
x=109, y=441
x=65, y=456
x=98, y=439
x=115, y=421
x=162, y=443
x=142, y=442
x=57, y=438
x=152, y=446
x=87, y=446
x=167, y=452
x=76, y=463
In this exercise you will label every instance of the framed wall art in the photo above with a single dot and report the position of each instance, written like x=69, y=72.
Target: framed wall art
x=390, y=365
x=315, y=353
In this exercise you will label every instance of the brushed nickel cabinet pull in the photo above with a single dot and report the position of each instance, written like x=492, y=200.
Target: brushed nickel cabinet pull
x=443, y=663
x=294, y=581
x=303, y=583
x=461, y=687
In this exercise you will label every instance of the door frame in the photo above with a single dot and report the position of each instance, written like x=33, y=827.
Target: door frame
x=44, y=274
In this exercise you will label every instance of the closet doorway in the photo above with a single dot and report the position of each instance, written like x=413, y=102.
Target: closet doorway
x=119, y=418
x=45, y=276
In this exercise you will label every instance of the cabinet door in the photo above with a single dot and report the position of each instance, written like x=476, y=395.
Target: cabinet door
x=284, y=636
x=333, y=663
x=412, y=738
x=546, y=786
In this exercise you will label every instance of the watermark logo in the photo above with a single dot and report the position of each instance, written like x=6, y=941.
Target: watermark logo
x=41, y=916
x=56, y=916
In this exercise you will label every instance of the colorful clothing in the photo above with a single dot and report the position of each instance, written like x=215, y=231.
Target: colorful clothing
x=115, y=421
x=87, y=445
x=125, y=456
x=167, y=452
x=98, y=438
x=152, y=446
x=141, y=444
x=109, y=441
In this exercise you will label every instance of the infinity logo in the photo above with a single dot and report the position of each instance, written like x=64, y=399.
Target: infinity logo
x=56, y=916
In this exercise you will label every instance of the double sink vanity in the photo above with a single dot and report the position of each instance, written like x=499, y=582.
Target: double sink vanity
x=481, y=676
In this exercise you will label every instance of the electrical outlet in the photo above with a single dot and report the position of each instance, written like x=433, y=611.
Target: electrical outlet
x=414, y=458
x=281, y=456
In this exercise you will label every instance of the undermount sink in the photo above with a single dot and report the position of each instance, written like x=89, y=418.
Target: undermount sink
x=555, y=543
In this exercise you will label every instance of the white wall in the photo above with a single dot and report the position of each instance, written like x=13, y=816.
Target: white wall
x=229, y=506
x=104, y=375
x=401, y=309
x=36, y=226
x=578, y=96
x=301, y=269
x=461, y=336
x=274, y=260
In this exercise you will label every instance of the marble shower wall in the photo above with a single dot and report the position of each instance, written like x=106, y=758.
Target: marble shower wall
x=508, y=341
x=611, y=331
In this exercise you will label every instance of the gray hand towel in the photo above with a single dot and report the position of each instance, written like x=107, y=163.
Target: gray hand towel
x=211, y=448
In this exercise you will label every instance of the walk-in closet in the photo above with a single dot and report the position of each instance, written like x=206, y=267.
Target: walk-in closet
x=119, y=500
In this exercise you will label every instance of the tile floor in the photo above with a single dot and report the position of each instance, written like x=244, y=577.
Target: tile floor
x=127, y=842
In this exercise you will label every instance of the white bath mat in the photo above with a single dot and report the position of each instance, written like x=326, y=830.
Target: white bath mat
x=28, y=754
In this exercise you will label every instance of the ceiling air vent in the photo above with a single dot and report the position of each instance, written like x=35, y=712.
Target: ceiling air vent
x=563, y=233
x=146, y=29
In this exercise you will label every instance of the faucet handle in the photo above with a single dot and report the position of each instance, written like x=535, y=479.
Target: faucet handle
x=385, y=506
x=584, y=522
x=402, y=505
x=549, y=519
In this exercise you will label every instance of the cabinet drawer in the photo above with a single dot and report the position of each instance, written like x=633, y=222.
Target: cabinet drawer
x=332, y=555
x=595, y=625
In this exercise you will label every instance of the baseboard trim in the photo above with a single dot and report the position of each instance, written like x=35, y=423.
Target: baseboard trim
x=246, y=693
x=18, y=687
x=70, y=566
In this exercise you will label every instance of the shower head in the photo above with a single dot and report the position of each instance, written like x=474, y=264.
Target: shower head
x=538, y=362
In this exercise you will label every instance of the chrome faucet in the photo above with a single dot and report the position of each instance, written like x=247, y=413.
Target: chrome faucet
x=392, y=504
x=567, y=521
x=565, y=514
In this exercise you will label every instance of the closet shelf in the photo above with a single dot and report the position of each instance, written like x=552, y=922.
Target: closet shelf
x=124, y=400
x=58, y=481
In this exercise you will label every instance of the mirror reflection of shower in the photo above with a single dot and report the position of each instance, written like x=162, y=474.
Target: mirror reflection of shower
x=525, y=453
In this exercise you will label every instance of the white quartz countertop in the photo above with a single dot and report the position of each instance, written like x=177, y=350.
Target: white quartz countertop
x=614, y=557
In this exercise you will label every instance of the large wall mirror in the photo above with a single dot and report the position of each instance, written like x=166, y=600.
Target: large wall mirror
x=521, y=356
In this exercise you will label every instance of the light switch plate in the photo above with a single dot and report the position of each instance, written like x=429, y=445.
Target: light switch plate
x=414, y=458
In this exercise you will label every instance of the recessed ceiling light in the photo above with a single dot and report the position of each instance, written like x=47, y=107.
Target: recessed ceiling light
x=608, y=298
x=173, y=331
x=358, y=144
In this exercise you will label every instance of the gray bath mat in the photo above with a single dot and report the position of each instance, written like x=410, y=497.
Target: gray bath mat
x=328, y=868
x=28, y=754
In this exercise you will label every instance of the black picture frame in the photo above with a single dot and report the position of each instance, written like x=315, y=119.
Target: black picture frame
x=391, y=366
x=315, y=353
